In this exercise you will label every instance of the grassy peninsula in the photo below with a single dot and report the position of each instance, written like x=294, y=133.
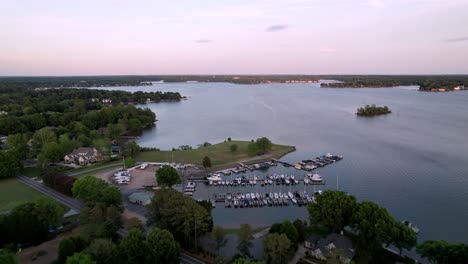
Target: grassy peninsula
x=220, y=154
x=373, y=110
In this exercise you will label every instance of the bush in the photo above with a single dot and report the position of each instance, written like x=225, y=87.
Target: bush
x=233, y=147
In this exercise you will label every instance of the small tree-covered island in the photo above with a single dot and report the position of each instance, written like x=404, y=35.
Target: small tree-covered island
x=373, y=110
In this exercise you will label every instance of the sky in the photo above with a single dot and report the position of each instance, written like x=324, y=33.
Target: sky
x=114, y=37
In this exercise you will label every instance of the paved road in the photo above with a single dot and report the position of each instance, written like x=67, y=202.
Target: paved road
x=61, y=198
x=77, y=205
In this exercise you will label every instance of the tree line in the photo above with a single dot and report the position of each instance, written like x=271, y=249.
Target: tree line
x=425, y=82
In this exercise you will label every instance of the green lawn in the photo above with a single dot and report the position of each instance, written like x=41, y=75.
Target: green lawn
x=13, y=192
x=220, y=155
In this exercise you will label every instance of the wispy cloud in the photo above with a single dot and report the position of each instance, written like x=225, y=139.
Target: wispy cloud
x=274, y=28
x=378, y=4
x=203, y=41
x=327, y=50
x=458, y=39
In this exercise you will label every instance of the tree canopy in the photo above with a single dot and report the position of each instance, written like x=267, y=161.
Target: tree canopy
x=162, y=247
x=245, y=237
x=441, y=252
x=167, y=176
x=10, y=163
x=333, y=210
x=182, y=216
x=206, y=162
x=277, y=248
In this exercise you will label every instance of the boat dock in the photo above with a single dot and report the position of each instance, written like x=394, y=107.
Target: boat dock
x=250, y=200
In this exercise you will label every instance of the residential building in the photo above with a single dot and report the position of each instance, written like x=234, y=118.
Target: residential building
x=333, y=245
x=83, y=156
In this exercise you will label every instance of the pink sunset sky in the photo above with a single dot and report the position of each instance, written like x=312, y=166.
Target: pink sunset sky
x=233, y=37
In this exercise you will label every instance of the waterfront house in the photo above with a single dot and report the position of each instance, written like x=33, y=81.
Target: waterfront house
x=83, y=156
x=324, y=247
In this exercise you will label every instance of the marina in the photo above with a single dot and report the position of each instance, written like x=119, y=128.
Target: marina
x=255, y=199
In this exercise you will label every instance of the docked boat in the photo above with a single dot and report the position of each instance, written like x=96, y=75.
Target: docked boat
x=306, y=180
x=412, y=226
x=276, y=195
x=315, y=177
x=247, y=195
x=290, y=194
x=214, y=178
x=294, y=200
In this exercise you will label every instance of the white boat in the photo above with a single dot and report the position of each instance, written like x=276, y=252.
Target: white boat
x=191, y=184
x=257, y=195
x=252, y=195
x=287, y=181
x=412, y=226
x=276, y=195
x=306, y=180
x=316, y=178
x=271, y=195
x=291, y=196
x=270, y=182
x=280, y=195
x=214, y=178
x=294, y=200
x=247, y=195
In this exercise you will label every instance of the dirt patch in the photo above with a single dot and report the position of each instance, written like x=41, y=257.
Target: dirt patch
x=50, y=248
x=139, y=178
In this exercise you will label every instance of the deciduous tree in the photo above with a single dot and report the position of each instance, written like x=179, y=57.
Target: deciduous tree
x=167, y=176
x=277, y=248
x=162, y=247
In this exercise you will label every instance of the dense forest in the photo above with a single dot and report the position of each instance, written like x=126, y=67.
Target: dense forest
x=49, y=123
x=373, y=110
x=425, y=82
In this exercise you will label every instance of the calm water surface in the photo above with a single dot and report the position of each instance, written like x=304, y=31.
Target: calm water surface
x=413, y=162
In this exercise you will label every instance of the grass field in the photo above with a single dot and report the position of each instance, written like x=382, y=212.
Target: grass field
x=220, y=155
x=13, y=192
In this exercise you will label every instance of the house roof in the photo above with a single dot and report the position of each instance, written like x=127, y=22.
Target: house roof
x=340, y=242
x=88, y=152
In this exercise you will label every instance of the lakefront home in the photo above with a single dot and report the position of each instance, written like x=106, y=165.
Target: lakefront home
x=333, y=245
x=83, y=156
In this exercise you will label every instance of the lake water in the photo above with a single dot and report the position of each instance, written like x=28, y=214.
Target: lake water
x=413, y=162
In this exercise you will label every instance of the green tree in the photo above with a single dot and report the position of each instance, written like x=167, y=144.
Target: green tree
x=88, y=188
x=131, y=149
x=206, y=162
x=51, y=152
x=301, y=229
x=129, y=162
x=333, y=210
x=133, y=247
x=233, y=147
x=264, y=145
x=167, y=176
x=185, y=218
x=80, y=258
x=103, y=251
x=162, y=247
x=219, y=236
x=43, y=136
x=111, y=195
x=245, y=261
x=49, y=210
x=7, y=257
x=19, y=142
x=277, y=248
x=441, y=252
x=10, y=163
x=103, y=145
x=373, y=224
x=68, y=246
x=245, y=237
x=402, y=236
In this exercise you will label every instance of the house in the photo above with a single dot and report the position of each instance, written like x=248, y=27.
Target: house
x=83, y=156
x=3, y=139
x=332, y=245
x=3, y=113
